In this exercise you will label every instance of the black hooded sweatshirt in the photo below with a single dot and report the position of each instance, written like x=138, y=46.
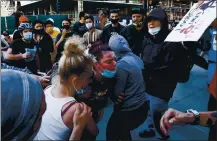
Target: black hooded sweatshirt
x=161, y=60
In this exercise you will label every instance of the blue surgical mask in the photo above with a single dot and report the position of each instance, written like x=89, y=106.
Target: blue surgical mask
x=27, y=36
x=108, y=74
x=154, y=31
x=82, y=91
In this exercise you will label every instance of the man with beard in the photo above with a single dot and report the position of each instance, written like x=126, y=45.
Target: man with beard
x=111, y=29
x=135, y=32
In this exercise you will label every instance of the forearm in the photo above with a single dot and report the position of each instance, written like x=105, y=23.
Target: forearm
x=14, y=56
x=208, y=118
x=59, y=42
x=76, y=134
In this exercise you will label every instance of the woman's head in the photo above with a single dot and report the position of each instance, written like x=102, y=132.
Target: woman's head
x=23, y=105
x=38, y=27
x=157, y=22
x=75, y=67
x=66, y=23
x=105, y=63
x=26, y=31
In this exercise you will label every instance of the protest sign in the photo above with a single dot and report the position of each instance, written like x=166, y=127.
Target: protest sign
x=194, y=23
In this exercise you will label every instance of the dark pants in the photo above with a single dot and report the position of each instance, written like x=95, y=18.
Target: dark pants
x=212, y=107
x=122, y=122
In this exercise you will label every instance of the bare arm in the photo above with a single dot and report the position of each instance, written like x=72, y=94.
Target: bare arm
x=11, y=56
x=175, y=117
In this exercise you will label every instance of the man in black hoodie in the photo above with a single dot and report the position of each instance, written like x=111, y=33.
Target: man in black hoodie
x=161, y=66
x=111, y=29
x=135, y=32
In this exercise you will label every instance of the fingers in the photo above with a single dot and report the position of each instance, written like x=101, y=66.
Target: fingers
x=164, y=122
x=120, y=98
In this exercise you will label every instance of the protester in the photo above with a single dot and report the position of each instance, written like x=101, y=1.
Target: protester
x=7, y=37
x=23, y=52
x=92, y=35
x=102, y=20
x=35, y=107
x=162, y=63
x=53, y=32
x=26, y=96
x=4, y=43
x=79, y=27
x=75, y=71
x=174, y=117
x=135, y=32
x=17, y=34
x=104, y=71
x=62, y=37
x=111, y=29
x=126, y=115
x=45, y=46
x=50, y=29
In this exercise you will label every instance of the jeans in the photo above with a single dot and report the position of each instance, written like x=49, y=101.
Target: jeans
x=122, y=122
x=157, y=108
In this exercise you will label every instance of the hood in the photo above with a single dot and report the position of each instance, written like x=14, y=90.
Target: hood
x=119, y=45
x=21, y=96
x=160, y=14
x=122, y=51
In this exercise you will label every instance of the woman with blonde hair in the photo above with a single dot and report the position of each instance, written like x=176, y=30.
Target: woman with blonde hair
x=74, y=72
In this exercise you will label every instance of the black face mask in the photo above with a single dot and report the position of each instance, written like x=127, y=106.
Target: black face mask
x=114, y=21
x=39, y=31
x=66, y=27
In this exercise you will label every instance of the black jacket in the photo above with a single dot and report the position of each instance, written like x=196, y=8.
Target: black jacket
x=134, y=38
x=108, y=31
x=161, y=60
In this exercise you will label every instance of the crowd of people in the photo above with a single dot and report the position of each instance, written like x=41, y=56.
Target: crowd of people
x=62, y=78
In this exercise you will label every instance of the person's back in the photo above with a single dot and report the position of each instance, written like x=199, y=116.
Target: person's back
x=53, y=126
x=129, y=68
x=129, y=74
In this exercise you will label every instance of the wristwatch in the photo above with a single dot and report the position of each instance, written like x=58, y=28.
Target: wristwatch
x=196, y=116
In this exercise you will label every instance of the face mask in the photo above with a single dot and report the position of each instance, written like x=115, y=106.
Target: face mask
x=66, y=27
x=89, y=25
x=82, y=91
x=154, y=31
x=138, y=24
x=108, y=74
x=27, y=36
x=49, y=29
x=39, y=31
x=114, y=21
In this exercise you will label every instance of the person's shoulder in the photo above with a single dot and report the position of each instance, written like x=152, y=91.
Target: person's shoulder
x=97, y=30
x=17, y=41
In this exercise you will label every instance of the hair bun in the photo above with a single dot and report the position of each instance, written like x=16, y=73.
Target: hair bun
x=74, y=46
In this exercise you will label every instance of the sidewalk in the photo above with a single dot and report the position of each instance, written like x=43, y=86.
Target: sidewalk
x=192, y=94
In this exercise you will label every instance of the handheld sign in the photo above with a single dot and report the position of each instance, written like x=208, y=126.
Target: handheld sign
x=194, y=23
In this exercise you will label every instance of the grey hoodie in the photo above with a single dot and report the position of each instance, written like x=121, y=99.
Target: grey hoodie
x=129, y=78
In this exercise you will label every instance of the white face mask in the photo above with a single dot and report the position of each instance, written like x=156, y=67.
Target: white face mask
x=154, y=31
x=89, y=25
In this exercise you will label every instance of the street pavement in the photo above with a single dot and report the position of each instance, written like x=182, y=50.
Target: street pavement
x=192, y=94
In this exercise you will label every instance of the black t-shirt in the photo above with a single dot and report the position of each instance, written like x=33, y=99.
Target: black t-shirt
x=101, y=91
x=18, y=46
x=79, y=28
x=134, y=37
x=17, y=35
x=61, y=45
x=108, y=31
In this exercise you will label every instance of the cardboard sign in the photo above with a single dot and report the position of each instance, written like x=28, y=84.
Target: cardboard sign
x=194, y=23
